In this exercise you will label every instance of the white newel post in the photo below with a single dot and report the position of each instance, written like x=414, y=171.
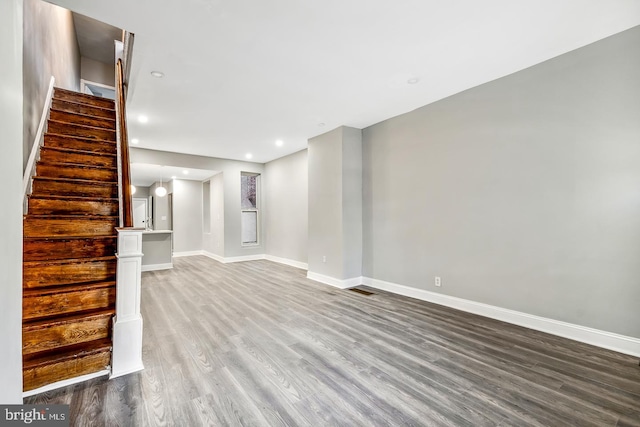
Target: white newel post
x=127, y=323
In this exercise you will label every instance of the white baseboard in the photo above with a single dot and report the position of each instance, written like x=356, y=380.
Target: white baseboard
x=287, y=261
x=186, y=253
x=332, y=281
x=154, y=267
x=244, y=258
x=608, y=340
x=65, y=383
x=226, y=260
x=213, y=256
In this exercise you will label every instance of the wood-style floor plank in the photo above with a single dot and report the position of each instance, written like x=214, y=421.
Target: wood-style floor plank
x=258, y=344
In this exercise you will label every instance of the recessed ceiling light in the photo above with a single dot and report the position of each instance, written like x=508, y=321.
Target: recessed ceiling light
x=413, y=80
x=158, y=74
x=135, y=140
x=143, y=119
x=248, y=155
x=279, y=143
x=186, y=172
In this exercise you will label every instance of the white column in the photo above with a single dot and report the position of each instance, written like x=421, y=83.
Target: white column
x=127, y=324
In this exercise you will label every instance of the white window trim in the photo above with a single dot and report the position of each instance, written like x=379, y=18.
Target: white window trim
x=256, y=210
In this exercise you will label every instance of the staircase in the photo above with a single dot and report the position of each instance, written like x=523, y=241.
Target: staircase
x=70, y=242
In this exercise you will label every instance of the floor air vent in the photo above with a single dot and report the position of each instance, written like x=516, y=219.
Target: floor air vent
x=361, y=291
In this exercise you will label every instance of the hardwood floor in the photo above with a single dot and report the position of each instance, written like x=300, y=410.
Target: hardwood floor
x=256, y=343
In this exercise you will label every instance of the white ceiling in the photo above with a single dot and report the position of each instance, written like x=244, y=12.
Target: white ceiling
x=241, y=74
x=144, y=174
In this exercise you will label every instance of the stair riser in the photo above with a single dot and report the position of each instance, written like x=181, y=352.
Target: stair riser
x=41, y=250
x=58, y=141
x=81, y=131
x=42, y=375
x=38, y=276
x=80, y=119
x=56, y=156
x=76, y=172
x=67, y=302
x=42, y=227
x=46, y=188
x=71, y=207
x=81, y=99
x=88, y=110
x=56, y=334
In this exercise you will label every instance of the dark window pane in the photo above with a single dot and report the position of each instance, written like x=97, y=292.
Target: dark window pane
x=248, y=192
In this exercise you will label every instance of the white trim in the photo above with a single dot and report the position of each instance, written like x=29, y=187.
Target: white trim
x=37, y=141
x=332, y=281
x=608, y=340
x=65, y=383
x=186, y=253
x=83, y=84
x=244, y=258
x=286, y=261
x=154, y=267
x=213, y=256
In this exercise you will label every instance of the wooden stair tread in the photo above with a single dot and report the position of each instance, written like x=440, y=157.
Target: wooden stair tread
x=73, y=198
x=69, y=261
x=76, y=180
x=58, y=237
x=75, y=287
x=65, y=320
x=80, y=104
x=74, y=151
x=81, y=95
x=71, y=217
x=83, y=138
x=76, y=165
x=80, y=125
x=83, y=114
x=31, y=361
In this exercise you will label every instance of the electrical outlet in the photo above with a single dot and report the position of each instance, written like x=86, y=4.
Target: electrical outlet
x=324, y=258
x=438, y=282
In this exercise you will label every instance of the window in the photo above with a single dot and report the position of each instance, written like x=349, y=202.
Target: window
x=249, y=201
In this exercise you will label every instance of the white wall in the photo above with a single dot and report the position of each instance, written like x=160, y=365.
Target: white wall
x=50, y=49
x=11, y=123
x=522, y=193
x=285, y=188
x=96, y=71
x=187, y=215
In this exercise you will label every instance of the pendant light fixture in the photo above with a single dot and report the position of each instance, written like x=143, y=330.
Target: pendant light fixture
x=161, y=191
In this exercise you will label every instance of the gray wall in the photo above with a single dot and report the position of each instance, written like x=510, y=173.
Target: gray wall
x=141, y=192
x=335, y=203
x=96, y=71
x=325, y=204
x=352, y=202
x=522, y=193
x=232, y=170
x=11, y=193
x=214, y=241
x=286, y=219
x=50, y=49
x=161, y=208
x=187, y=215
